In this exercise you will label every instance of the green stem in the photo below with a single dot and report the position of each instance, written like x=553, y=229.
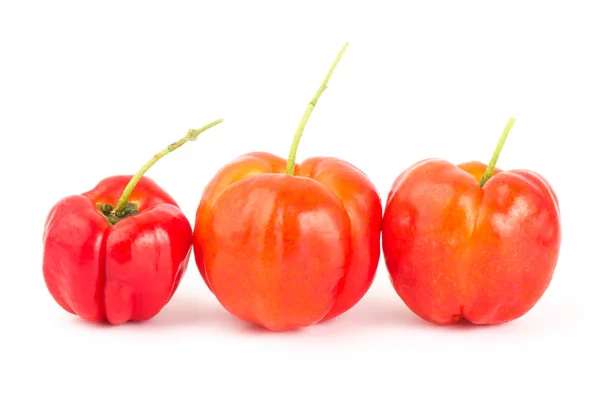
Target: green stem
x=190, y=136
x=291, y=163
x=492, y=164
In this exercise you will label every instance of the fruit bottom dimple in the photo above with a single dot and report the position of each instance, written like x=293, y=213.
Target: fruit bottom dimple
x=459, y=316
x=119, y=297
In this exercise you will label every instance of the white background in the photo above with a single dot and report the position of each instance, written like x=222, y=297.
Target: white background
x=92, y=89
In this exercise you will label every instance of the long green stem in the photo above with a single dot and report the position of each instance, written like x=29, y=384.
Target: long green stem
x=291, y=163
x=492, y=164
x=190, y=136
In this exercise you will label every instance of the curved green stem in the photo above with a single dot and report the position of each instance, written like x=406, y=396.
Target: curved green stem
x=190, y=136
x=492, y=164
x=291, y=163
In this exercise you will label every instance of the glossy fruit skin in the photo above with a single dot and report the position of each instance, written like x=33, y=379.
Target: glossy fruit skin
x=127, y=271
x=284, y=251
x=454, y=250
